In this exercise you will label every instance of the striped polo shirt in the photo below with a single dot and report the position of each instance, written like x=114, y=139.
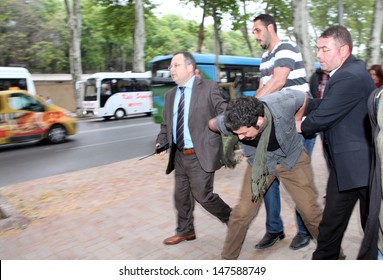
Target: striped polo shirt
x=285, y=54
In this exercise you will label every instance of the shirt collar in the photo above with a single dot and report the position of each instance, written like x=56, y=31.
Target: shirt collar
x=189, y=83
x=333, y=71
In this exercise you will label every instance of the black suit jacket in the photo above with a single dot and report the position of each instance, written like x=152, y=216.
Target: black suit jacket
x=343, y=117
x=206, y=103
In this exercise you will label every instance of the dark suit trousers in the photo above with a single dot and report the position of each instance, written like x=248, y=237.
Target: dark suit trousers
x=336, y=215
x=192, y=183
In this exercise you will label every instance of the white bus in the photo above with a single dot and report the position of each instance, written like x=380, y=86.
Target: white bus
x=16, y=78
x=111, y=94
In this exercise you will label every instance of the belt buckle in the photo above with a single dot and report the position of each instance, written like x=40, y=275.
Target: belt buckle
x=188, y=151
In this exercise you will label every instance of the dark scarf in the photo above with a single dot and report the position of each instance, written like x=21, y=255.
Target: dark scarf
x=259, y=174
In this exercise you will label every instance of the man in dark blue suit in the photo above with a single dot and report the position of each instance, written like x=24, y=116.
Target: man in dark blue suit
x=343, y=117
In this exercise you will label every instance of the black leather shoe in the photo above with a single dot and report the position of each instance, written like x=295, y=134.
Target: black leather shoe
x=300, y=240
x=269, y=240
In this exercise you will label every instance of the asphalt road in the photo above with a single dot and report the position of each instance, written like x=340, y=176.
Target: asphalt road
x=97, y=143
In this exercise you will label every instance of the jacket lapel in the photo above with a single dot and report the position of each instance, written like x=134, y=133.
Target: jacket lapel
x=196, y=91
x=171, y=99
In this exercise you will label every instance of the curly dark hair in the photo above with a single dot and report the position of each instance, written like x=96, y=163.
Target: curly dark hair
x=243, y=111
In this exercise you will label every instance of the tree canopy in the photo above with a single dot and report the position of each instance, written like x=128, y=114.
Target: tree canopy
x=35, y=32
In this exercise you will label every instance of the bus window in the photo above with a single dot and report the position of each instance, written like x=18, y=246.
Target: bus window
x=141, y=85
x=223, y=77
x=13, y=84
x=114, y=86
x=251, y=82
x=124, y=85
x=133, y=85
x=105, y=89
x=235, y=75
x=161, y=73
x=90, y=93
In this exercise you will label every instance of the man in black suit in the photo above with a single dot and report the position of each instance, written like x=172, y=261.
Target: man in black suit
x=196, y=156
x=342, y=115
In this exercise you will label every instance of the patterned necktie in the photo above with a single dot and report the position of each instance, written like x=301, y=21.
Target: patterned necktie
x=180, y=120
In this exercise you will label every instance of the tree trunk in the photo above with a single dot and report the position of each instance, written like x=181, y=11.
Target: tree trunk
x=340, y=12
x=217, y=50
x=373, y=51
x=201, y=33
x=302, y=36
x=74, y=24
x=139, y=39
x=246, y=36
x=245, y=32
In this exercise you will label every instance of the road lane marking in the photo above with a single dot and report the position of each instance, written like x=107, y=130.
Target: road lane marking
x=104, y=143
x=115, y=127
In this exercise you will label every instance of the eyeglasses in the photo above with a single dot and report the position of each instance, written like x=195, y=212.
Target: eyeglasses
x=326, y=49
x=323, y=49
x=174, y=65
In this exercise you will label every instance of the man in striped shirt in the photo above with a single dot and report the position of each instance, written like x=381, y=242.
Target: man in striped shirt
x=281, y=68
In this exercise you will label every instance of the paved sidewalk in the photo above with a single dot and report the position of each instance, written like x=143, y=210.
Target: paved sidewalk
x=123, y=211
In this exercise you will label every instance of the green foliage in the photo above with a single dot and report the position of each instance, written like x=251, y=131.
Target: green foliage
x=357, y=17
x=169, y=34
x=45, y=55
x=37, y=34
x=234, y=44
x=12, y=48
x=281, y=10
x=27, y=30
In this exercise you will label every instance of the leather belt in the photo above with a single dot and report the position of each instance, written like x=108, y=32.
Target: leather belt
x=188, y=151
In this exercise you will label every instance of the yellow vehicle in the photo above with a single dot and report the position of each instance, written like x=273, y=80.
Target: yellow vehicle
x=25, y=118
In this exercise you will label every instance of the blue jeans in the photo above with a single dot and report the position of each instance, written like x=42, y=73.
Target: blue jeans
x=380, y=255
x=274, y=223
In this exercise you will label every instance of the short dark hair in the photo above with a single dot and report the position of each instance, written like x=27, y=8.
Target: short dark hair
x=243, y=111
x=267, y=19
x=340, y=34
x=189, y=59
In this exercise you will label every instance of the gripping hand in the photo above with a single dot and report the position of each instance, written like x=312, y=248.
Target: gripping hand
x=229, y=146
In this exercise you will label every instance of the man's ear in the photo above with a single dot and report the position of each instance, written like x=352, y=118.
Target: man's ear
x=190, y=68
x=270, y=28
x=345, y=50
x=259, y=122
